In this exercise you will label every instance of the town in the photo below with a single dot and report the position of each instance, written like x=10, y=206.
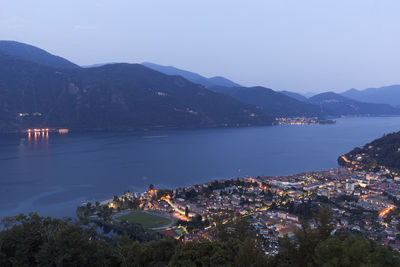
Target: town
x=302, y=121
x=361, y=202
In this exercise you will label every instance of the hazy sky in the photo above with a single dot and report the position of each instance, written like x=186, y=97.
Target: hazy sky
x=308, y=45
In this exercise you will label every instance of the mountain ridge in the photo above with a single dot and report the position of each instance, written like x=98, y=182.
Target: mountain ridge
x=338, y=105
x=274, y=102
x=112, y=97
x=380, y=95
x=380, y=153
x=192, y=76
x=34, y=54
x=294, y=95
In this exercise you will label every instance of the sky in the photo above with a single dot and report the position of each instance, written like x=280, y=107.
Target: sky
x=301, y=46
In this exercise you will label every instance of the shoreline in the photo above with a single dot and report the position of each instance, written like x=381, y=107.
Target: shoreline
x=328, y=120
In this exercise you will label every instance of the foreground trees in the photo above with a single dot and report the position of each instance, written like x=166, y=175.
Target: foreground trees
x=37, y=241
x=319, y=247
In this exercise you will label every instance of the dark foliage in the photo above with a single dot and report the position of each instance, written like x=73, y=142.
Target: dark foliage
x=37, y=241
x=384, y=151
x=317, y=247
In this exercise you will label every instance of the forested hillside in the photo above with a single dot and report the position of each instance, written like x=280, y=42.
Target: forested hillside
x=382, y=152
x=110, y=97
x=37, y=241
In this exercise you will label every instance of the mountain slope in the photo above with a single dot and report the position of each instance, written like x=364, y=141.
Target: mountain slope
x=384, y=151
x=191, y=76
x=34, y=54
x=294, y=95
x=274, y=102
x=98, y=65
x=117, y=96
x=337, y=105
x=383, y=95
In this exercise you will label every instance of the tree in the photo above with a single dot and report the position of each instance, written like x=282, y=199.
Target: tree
x=325, y=223
x=32, y=240
x=205, y=253
x=242, y=229
x=41, y=241
x=186, y=211
x=222, y=231
x=383, y=256
x=302, y=250
x=250, y=255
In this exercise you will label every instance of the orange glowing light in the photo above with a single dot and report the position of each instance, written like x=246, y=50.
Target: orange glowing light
x=63, y=131
x=345, y=159
x=384, y=212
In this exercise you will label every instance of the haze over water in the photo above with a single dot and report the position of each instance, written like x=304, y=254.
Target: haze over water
x=53, y=175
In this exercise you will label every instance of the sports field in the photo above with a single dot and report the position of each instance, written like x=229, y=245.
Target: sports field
x=145, y=219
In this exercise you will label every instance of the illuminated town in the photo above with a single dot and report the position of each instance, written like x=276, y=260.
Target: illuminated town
x=361, y=202
x=43, y=133
x=302, y=121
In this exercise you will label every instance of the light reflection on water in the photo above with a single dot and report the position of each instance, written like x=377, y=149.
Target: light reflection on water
x=53, y=173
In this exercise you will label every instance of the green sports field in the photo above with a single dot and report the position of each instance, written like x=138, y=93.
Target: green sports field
x=145, y=219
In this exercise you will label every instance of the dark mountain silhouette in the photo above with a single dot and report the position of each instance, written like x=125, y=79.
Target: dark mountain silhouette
x=309, y=94
x=276, y=103
x=34, y=54
x=294, y=95
x=337, y=105
x=112, y=97
x=382, y=95
x=191, y=76
x=384, y=151
x=98, y=65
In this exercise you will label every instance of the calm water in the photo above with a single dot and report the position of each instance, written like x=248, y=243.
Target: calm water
x=52, y=176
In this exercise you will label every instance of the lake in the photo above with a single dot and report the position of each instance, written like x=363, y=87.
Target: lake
x=54, y=174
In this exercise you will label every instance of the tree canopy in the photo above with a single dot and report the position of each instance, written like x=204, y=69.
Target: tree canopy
x=32, y=240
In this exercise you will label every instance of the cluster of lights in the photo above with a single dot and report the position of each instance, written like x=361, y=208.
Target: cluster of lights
x=38, y=130
x=384, y=212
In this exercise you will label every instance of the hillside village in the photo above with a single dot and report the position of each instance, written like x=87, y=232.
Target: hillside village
x=361, y=202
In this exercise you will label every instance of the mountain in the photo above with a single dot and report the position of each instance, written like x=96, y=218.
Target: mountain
x=222, y=81
x=337, y=105
x=191, y=76
x=98, y=65
x=294, y=95
x=34, y=54
x=112, y=97
x=382, y=95
x=384, y=151
x=276, y=103
x=309, y=94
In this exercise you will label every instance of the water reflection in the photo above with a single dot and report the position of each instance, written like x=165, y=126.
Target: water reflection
x=96, y=166
x=43, y=134
x=39, y=138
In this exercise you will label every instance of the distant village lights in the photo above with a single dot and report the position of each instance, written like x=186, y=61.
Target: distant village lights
x=44, y=132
